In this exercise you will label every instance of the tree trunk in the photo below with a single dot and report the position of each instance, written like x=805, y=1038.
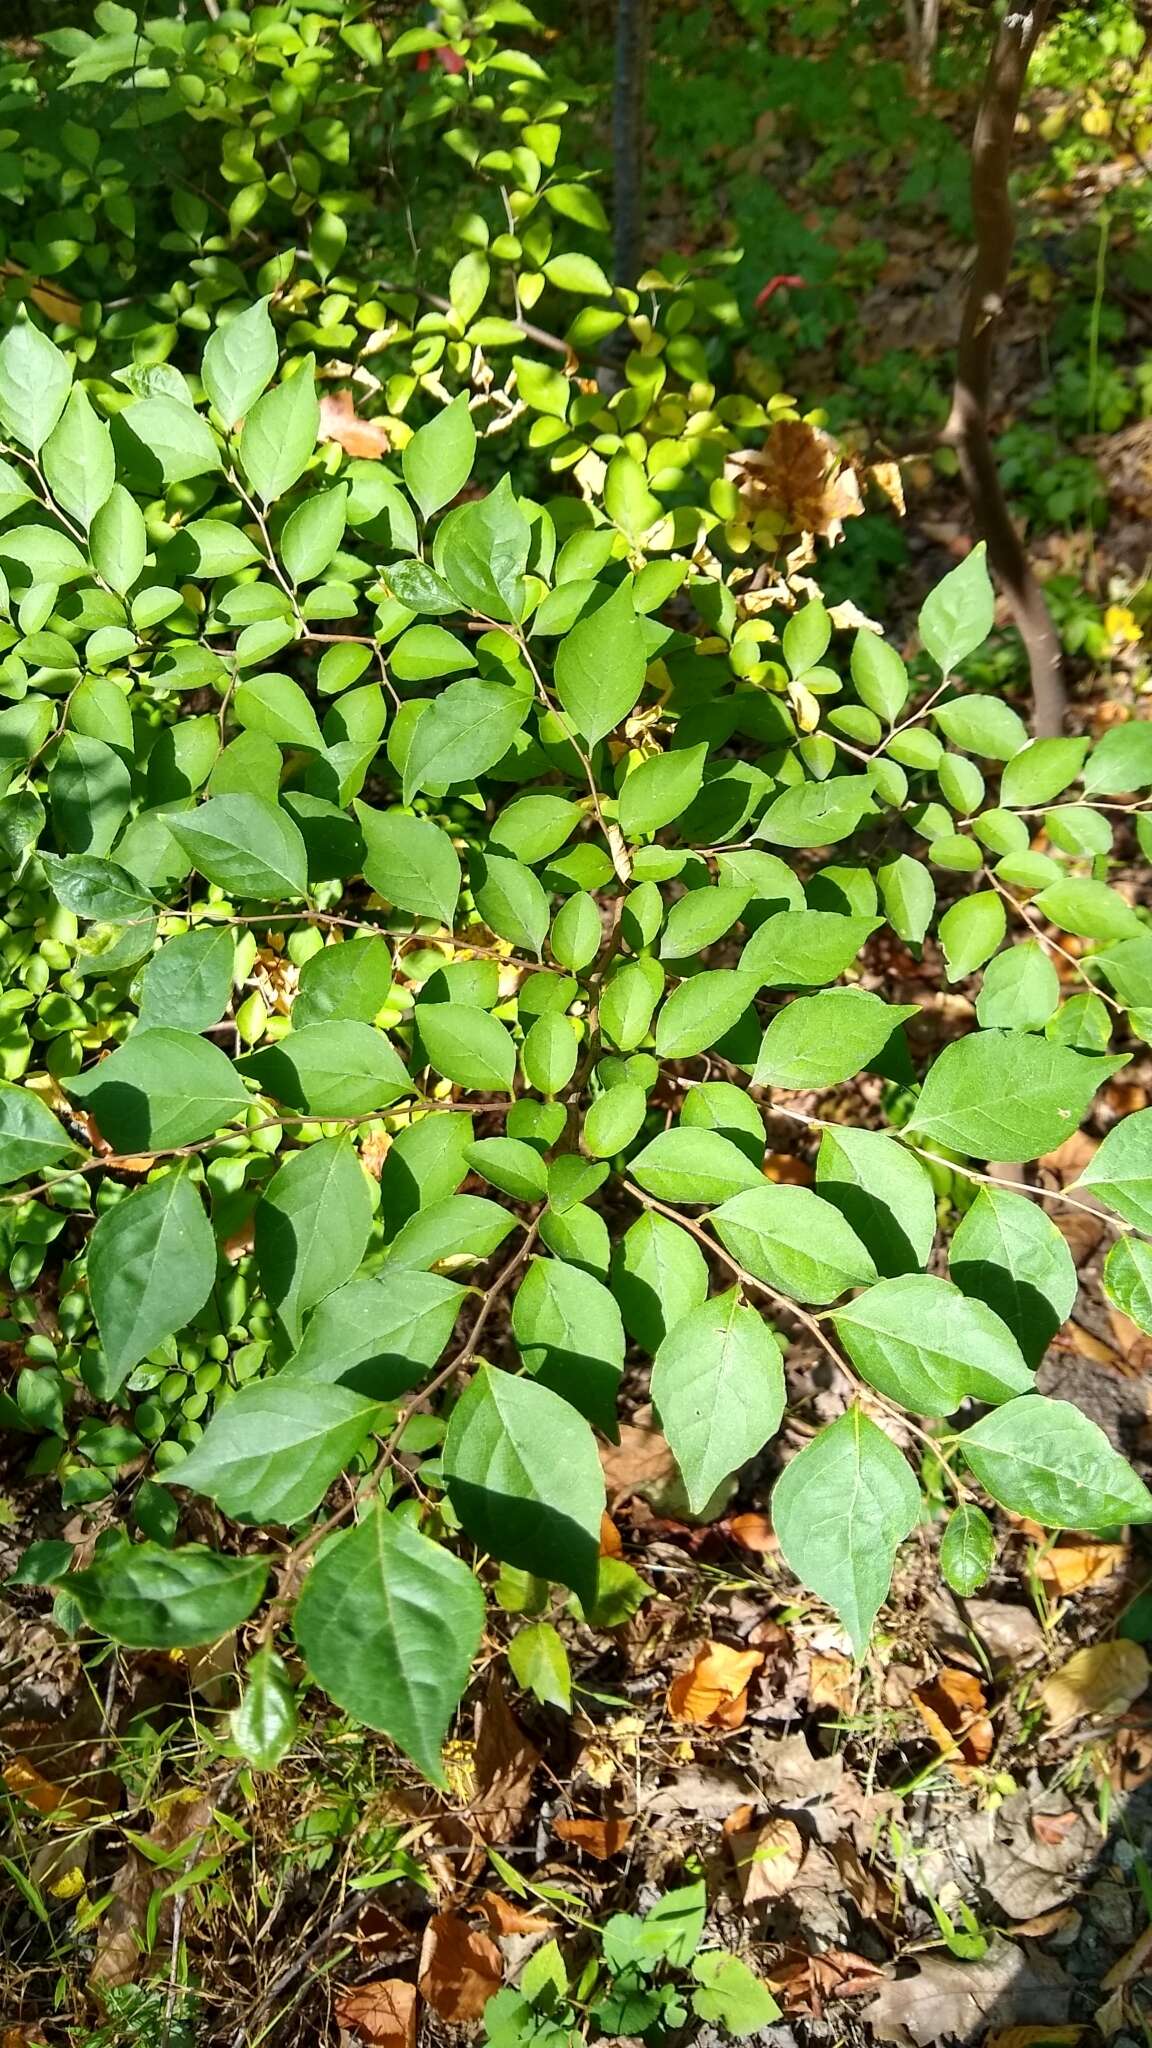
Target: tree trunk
x=628, y=151
x=967, y=427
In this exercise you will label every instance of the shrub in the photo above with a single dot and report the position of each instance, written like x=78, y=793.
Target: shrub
x=374, y=833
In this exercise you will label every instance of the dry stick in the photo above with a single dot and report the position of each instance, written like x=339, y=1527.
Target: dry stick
x=967, y=427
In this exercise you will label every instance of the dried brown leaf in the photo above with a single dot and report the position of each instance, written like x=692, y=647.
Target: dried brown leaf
x=460, y=1970
x=947, y=1998
x=955, y=1713
x=382, y=2013
x=713, y=1692
x=505, y=1918
x=1097, y=1683
x=767, y=1860
x=598, y=1838
x=340, y=421
x=1072, y=1567
x=505, y=1765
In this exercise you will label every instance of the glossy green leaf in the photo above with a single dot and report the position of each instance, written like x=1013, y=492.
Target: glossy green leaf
x=151, y=1598
x=718, y=1389
x=1006, y=1095
x=921, y=1342
x=312, y=1225
x=1008, y=1253
x=841, y=1508
x=161, y=1088
x=151, y=1268
x=271, y=1452
x=1046, y=1460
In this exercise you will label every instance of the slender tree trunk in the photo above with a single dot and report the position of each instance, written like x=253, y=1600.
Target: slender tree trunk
x=628, y=151
x=967, y=427
x=922, y=27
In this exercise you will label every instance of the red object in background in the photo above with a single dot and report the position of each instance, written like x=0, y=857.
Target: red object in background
x=448, y=58
x=794, y=282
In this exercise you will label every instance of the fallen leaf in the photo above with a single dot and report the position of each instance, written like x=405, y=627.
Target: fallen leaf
x=611, y=1541
x=27, y=1784
x=505, y=1918
x=382, y=2013
x=947, y=1997
x=713, y=1692
x=460, y=1970
x=505, y=1764
x=869, y=1891
x=753, y=1532
x=120, y=1935
x=955, y=1713
x=1072, y=1567
x=831, y=1681
x=1130, y=1965
x=598, y=1838
x=1042, y=1925
x=804, y=1982
x=640, y=1463
x=767, y=1860
x=1053, y=1828
x=340, y=421
x=1097, y=1683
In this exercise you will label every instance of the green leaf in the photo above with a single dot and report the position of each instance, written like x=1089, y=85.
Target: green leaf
x=239, y=361
x=171, y=439
x=118, y=540
x=613, y=1119
x=659, y=790
x=694, y=1166
x=467, y=1046
x=659, y=1275
x=89, y=789
x=151, y=1268
x=967, y=1550
x=880, y=676
x=151, y=1598
x=1120, y=1170
x=1045, y=1459
x=188, y=983
x=95, y=888
x=245, y=844
x=511, y=901
x=628, y=1000
x=31, y=1140
x=820, y=1040
x=971, y=931
x=221, y=549
x=265, y=1723
x=817, y=813
x=540, y=1664
x=731, y=1995
x=460, y=1226
x=884, y=1192
x=718, y=1388
x=1128, y=1280
x=920, y=1342
x=908, y=894
x=159, y=1089
x=982, y=725
x=275, y=705
x=313, y=533
x=1091, y=910
x=35, y=378
x=437, y=461
x=1020, y=990
x=956, y=618
x=697, y=919
x=532, y=827
x=462, y=733
x=600, y=666
x=338, y=1068
x=481, y=550
x=77, y=459
x=804, y=948
x=571, y=1338
x=410, y=862
x=1041, y=770
x=388, y=1624
x=348, y=980
x=549, y=1053
x=524, y=1477
x=1121, y=762
x=279, y=434
x=699, y=1012
x=1007, y=1095
x=271, y=1452
x=841, y=1509
x=378, y=1335
x=1009, y=1254
x=312, y=1224
x=796, y=1242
